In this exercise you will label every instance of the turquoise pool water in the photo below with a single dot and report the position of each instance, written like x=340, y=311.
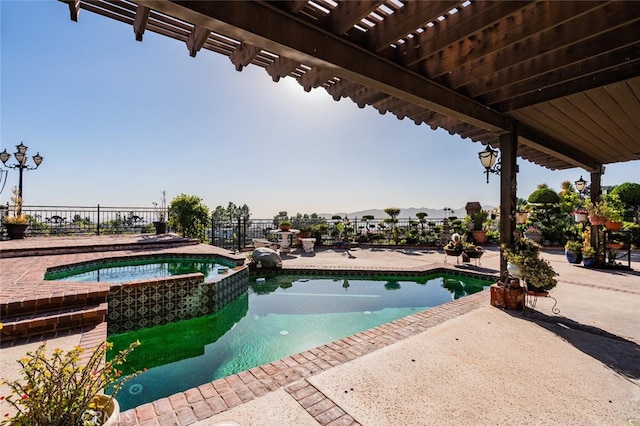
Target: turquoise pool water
x=276, y=318
x=130, y=270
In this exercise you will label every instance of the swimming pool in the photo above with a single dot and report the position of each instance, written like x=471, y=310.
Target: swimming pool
x=122, y=270
x=284, y=315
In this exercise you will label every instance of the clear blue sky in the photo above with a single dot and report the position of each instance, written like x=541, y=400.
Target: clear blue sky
x=118, y=121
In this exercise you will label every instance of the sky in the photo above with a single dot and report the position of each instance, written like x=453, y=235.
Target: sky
x=118, y=121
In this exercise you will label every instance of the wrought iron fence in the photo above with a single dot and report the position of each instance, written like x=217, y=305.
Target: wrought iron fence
x=83, y=220
x=238, y=233
x=232, y=233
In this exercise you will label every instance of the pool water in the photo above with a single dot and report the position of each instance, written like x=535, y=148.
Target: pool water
x=276, y=318
x=131, y=270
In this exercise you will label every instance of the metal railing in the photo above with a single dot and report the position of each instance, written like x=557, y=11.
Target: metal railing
x=239, y=233
x=82, y=220
x=233, y=233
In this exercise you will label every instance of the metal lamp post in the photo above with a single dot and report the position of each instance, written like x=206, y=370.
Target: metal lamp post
x=21, y=157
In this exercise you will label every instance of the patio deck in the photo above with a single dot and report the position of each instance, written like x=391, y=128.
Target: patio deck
x=462, y=362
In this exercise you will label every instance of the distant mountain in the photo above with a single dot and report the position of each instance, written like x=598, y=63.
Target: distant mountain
x=404, y=213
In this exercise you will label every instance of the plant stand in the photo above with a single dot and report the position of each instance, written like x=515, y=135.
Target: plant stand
x=531, y=299
x=614, y=252
x=455, y=253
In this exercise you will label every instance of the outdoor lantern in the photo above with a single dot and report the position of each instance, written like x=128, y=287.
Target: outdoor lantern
x=22, y=148
x=581, y=185
x=37, y=159
x=4, y=156
x=488, y=158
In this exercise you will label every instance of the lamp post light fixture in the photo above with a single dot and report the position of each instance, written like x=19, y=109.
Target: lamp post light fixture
x=581, y=186
x=490, y=162
x=21, y=157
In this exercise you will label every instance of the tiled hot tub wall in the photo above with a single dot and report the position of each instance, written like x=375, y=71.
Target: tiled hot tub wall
x=145, y=303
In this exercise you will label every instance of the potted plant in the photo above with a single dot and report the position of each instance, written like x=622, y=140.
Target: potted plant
x=533, y=233
x=613, y=211
x=524, y=254
x=522, y=211
x=580, y=214
x=596, y=212
x=589, y=255
x=284, y=225
x=454, y=246
x=61, y=390
x=17, y=223
x=478, y=232
x=515, y=254
x=161, y=215
x=573, y=251
x=471, y=251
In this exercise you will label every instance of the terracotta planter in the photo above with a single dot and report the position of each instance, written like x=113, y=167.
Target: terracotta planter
x=16, y=231
x=614, y=246
x=479, y=237
x=596, y=220
x=285, y=227
x=613, y=226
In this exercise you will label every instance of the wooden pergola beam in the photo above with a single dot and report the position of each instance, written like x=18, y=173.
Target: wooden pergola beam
x=140, y=23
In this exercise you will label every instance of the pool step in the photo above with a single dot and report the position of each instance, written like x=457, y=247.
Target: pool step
x=25, y=326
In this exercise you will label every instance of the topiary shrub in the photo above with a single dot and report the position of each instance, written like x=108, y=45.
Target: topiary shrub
x=544, y=195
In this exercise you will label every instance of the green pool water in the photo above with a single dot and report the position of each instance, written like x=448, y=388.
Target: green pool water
x=282, y=316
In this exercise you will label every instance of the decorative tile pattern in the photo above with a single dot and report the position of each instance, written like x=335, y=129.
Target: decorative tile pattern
x=143, y=303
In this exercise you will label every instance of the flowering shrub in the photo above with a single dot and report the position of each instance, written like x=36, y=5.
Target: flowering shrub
x=58, y=390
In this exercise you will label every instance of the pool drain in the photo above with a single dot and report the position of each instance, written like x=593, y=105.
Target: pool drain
x=284, y=332
x=367, y=312
x=135, y=389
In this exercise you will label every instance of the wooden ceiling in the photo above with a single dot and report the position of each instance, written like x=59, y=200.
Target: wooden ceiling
x=564, y=74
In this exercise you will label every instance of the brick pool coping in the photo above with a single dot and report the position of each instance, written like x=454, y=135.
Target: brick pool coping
x=289, y=373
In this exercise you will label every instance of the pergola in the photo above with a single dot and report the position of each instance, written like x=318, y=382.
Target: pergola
x=554, y=82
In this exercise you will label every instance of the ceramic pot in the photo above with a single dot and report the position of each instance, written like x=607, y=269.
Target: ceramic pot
x=589, y=261
x=514, y=270
x=573, y=256
x=580, y=217
x=16, y=231
x=107, y=411
x=161, y=227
